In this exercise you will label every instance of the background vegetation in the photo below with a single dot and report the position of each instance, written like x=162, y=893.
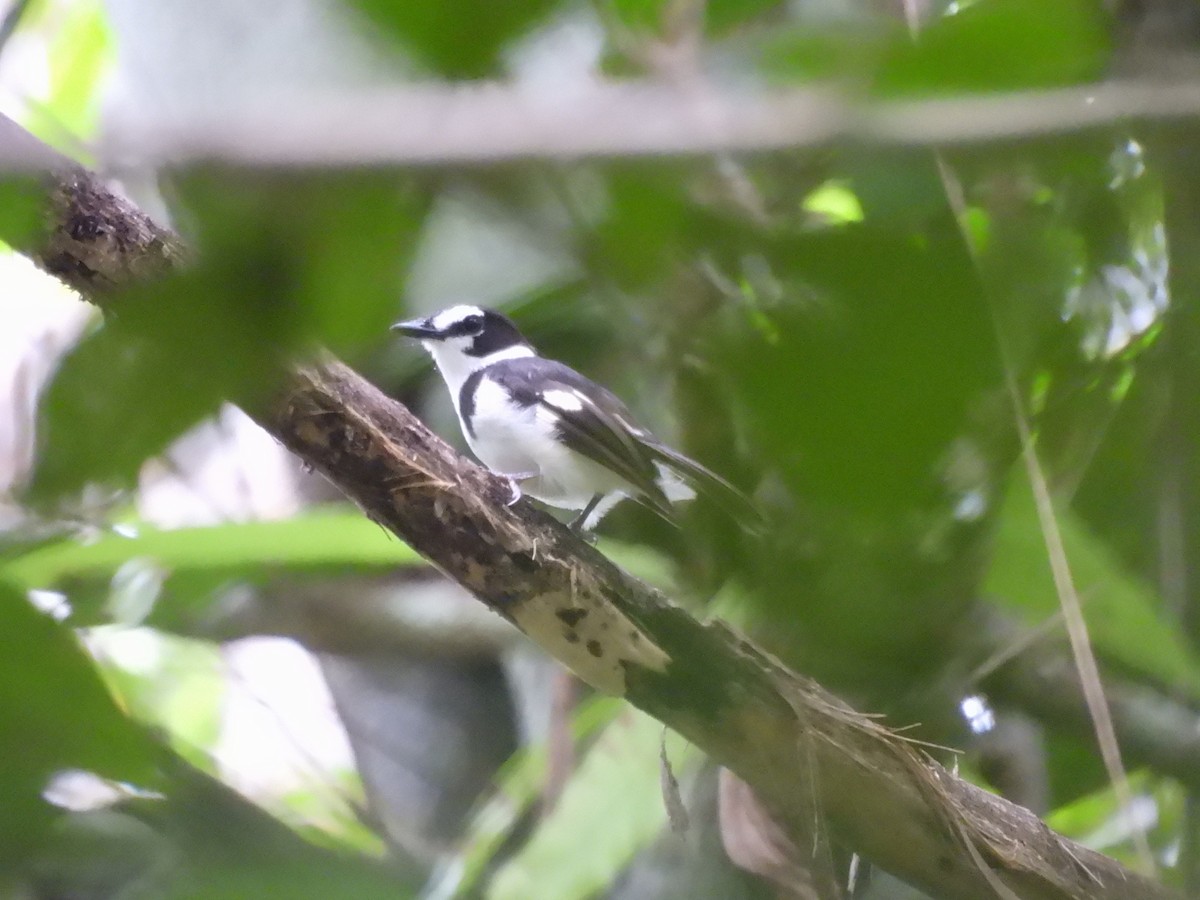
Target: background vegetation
x=860, y=333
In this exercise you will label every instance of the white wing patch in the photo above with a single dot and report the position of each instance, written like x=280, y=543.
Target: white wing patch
x=567, y=400
x=672, y=485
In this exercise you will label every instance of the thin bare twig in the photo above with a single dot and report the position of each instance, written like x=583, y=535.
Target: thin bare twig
x=1077, y=635
x=1069, y=602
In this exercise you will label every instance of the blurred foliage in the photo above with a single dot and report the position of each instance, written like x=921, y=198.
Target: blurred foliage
x=1124, y=615
x=78, y=59
x=1063, y=43
x=20, y=209
x=457, y=38
x=835, y=330
x=321, y=540
x=57, y=714
x=1098, y=820
x=614, y=796
x=519, y=786
x=64, y=112
x=221, y=331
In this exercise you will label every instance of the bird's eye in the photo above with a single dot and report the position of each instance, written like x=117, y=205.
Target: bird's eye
x=473, y=324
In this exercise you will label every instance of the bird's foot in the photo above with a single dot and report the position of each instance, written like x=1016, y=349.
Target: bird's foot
x=577, y=528
x=514, y=486
x=580, y=522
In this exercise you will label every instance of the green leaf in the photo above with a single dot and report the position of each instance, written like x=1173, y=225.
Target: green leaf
x=999, y=45
x=827, y=50
x=1097, y=821
x=721, y=16
x=1122, y=612
x=124, y=392
x=325, y=253
x=79, y=53
x=916, y=326
x=646, y=219
x=519, y=785
x=457, y=38
x=1090, y=811
x=612, y=807
x=182, y=692
x=834, y=203
x=22, y=210
x=55, y=713
x=639, y=15
x=288, y=264
x=320, y=539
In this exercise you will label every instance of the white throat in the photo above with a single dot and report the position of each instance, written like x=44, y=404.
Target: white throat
x=457, y=366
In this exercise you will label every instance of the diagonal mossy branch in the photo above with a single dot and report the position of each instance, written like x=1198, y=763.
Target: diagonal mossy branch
x=783, y=734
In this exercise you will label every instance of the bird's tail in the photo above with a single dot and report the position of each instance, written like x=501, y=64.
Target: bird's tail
x=706, y=481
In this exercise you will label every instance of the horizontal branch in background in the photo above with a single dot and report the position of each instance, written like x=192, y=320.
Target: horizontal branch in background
x=490, y=122
x=1152, y=727
x=781, y=733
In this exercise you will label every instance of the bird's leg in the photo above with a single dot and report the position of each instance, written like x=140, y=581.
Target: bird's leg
x=514, y=486
x=578, y=522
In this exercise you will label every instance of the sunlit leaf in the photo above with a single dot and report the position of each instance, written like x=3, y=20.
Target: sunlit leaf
x=319, y=539
x=612, y=807
x=518, y=786
x=178, y=685
x=834, y=203
x=1097, y=821
x=233, y=849
x=79, y=53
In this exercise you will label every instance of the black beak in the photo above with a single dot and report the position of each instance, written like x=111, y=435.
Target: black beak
x=417, y=328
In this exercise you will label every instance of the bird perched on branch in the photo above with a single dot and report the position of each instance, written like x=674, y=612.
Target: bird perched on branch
x=560, y=437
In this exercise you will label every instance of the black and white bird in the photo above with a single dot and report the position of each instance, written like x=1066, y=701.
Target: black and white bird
x=560, y=437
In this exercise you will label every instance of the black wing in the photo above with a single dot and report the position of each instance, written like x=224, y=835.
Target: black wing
x=595, y=423
x=603, y=435
x=708, y=482
x=591, y=421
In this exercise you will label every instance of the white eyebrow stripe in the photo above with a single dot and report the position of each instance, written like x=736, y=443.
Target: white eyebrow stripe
x=448, y=317
x=571, y=401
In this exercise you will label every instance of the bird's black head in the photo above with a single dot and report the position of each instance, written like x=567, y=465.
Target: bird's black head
x=472, y=330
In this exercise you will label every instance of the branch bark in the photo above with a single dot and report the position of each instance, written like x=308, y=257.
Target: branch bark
x=798, y=746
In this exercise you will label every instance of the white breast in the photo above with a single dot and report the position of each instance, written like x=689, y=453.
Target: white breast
x=522, y=442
